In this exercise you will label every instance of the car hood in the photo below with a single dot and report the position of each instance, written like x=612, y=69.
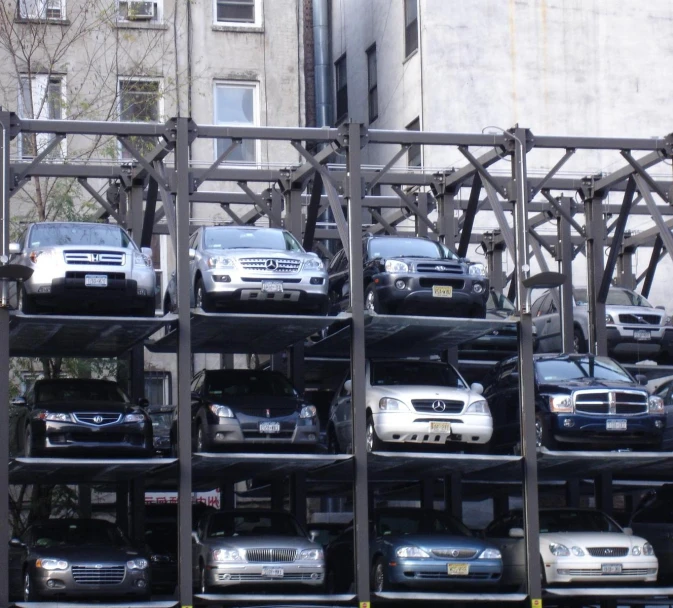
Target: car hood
x=410, y=391
x=590, y=539
x=261, y=542
x=430, y=542
x=89, y=406
x=439, y=261
x=90, y=553
x=568, y=386
x=248, y=402
x=265, y=253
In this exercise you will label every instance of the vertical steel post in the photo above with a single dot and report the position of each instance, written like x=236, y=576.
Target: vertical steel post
x=446, y=221
x=422, y=202
x=526, y=379
x=84, y=500
x=627, y=277
x=184, y=366
x=298, y=497
x=453, y=497
x=360, y=498
x=564, y=257
x=595, y=228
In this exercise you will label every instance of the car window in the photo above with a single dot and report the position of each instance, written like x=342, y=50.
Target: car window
x=193, y=240
x=342, y=391
x=335, y=263
x=391, y=247
x=662, y=390
x=509, y=374
x=579, y=368
x=252, y=524
x=576, y=521
x=626, y=297
x=416, y=373
x=45, y=235
x=535, y=309
x=418, y=522
x=52, y=391
x=500, y=527
x=228, y=237
x=197, y=383
x=240, y=383
x=659, y=512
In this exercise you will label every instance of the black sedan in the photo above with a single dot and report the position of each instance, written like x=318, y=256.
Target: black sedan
x=79, y=416
x=580, y=400
x=411, y=275
x=78, y=559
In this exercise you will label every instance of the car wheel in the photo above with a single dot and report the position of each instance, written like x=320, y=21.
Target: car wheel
x=29, y=594
x=374, y=444
x=202, y=444
x=543, y=436
x=332, y=441
x=201, y=299
x=29, y=450
x=204, y=587
x=372, y=304
x=26, y=305
x=579, y=343
x=380, y=581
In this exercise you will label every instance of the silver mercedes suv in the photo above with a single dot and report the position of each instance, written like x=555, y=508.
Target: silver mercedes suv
x=84, y=267
x=251, y=269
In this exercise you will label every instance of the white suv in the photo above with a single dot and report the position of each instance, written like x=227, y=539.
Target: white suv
x=413, y=402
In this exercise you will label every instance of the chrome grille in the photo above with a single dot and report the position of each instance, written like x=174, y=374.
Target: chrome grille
x=640, y=319
x=599, y=572
x=94, y=575
x=620, y=403
x=271, y=555
x=96, y=418
x=608, y=551
x=288, y=576
x=439, y=267
x=94, y=257
x=266, y=264
x=425, y=406
x=455, y=553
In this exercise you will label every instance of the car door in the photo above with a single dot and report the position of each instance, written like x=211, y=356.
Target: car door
x=511, y=548
x=197, y=400
x=197, y=548
x=665, y=391
x=503, y=399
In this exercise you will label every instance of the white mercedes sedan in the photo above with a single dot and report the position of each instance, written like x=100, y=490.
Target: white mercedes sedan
x=413, y=402
x=576, y=546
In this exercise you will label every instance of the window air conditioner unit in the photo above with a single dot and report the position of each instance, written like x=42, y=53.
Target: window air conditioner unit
x=139, y=10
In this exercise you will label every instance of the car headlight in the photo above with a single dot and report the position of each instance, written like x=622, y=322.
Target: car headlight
x=655, y=404
x=490, y=554
x=578, y=551
x=221, y=411
x=308, y=411
x=558, y=550
x=635, y=550
x=218, y=261
x=57, y=417
x=478, y=407
x=142, y=260
x=227, y=555
x=667, y=320
x=609, y=320
x=38, y=256
x=314, y=554
x=134, y=418
x=313, y=265
x=416, y=552
x=138, y=563
x=388, y=404
x=561, y=404
x=47, y=563
x=648, y=549
x=477, y=270
x=396, y=266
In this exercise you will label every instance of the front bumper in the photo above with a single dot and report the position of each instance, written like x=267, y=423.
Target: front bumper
x=135, y=583
x=414, y=427
x=624, y=339
x=121, y=439
x=293, y=430
x=641, y=430
x=432, y=572
x=583, y=570
x=164, y=575
x=295, y=573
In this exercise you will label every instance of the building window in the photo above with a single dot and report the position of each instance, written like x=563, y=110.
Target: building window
x=41, y=9
x=139, y=101
x=373, y=97
x=140, y=10
x=41, y=96
x=236, y=105
x=158, y=388
x=414, y=153
x=235, y=11
x=410, y=26
x=341, y=88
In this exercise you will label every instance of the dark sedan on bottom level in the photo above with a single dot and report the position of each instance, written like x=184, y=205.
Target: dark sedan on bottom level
x=419, y=549
x=78, y=559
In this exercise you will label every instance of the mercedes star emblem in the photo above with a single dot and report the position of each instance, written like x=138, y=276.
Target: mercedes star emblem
x=271, y=264
x=438, y=406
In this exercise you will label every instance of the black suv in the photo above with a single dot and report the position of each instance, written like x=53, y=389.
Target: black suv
x=411, y=275
x=580, y=399
x=232, y=408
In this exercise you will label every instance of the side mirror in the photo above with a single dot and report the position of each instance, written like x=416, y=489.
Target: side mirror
x=15, y=542
x=477, y=388
x=348, y=386
x=657, y=307
x=147, y=251
x=192, y=253
x=312, y=535
x=14, y=248
x=143, y=402
x=641, y=379
x=628, y=531
x=516, y=533
x=195, y=537
x=19, y=401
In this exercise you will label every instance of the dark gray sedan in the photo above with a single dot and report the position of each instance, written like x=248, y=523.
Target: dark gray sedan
x=79, y=558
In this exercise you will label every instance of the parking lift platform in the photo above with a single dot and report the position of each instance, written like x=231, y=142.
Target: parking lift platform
x=240, y=333
x=124, y=604
x=275, y=600
x=79, y=336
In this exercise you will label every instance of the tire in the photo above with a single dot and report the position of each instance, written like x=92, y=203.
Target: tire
x=149, y=309
x=543, y=434
x=201, y=297
x=29, y=450
x=332, y=441
x=29, y=594
x=26, y=303
x=579, y=343
x=374, y=444
x=380, y=582
x=372, y=304
x=203, y=586
x=202, y=443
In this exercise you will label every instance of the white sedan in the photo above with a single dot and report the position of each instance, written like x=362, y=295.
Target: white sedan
x=576, y=546
x=413, y=402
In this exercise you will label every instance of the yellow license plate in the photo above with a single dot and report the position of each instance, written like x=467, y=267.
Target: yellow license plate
x=458, y=569
x=442, y=291
x=440, y=427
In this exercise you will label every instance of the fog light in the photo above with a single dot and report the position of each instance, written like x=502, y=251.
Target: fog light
x=141, y=583
x=44, y=289
x=311, y=436
x=315, y=576
x=659, y=424
x=317, y=280
x=568, y=422
x=477, y=288
x=400, y=284
x=51, y=584
x=222, y=278
x=141, y=291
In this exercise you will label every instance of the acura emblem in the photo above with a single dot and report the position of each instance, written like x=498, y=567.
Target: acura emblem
x=271, y=264
x=438, y=406
x=98, y=419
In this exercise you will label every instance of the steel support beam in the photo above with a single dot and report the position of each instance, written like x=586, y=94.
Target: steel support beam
x=595, y=230
x=652, y=266
x=664, y=232
x=564, y=259
x=470, y=214
x=427, y=493
x=453, y=495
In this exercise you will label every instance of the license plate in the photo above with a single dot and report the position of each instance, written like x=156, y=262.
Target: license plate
x=442, y=291
x=641, y=334
x=458, y=569
x=275, y=572
x=615, y=425
x=611, y=568
x=440, y=427
x=95, y=280
x=269, y=427
x=272, y=286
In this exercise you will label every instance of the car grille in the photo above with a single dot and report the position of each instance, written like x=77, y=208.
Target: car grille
x=271, y=555
x=439, y=267
x=284, y=281
x=428, y=282
x=275, y=412
x=262, y=264
x=91, y=575
x=455, y=553
x=425, y=406
x=94, y=257
x=442, y=576
x=640, y=319
x=97, y=419
x=599, y=572
x=610, y=402
x=112, y=276
x=608, y=551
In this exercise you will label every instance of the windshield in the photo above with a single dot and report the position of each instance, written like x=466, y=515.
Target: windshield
x=616, y=297
x=225, y=237
x=45, y=235
x=162, y=537
x=77, y=390
x=415, y=373
x=77, y=533
x=253, y=524
x=161, y=421
x=396, y=247
x=241, y=383
x=497, y=301
x=576, y=521
x=418, y=522
x=580, y=368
